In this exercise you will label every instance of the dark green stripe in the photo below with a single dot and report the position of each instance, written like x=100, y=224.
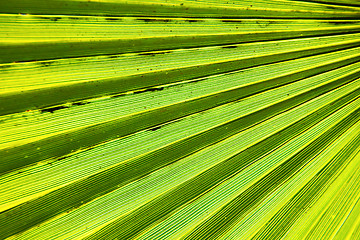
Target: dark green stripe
x=36, y=51
x=44, y=97
x=65, y=143
x=84, y=7
x=287, y=216
x=228, y=215
x=26, y=215
x=143, y=217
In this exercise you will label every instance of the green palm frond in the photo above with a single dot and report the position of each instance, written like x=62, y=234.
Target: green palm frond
x=179, y=119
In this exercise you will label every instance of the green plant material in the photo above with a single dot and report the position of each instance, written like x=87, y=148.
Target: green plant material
x=179, y=119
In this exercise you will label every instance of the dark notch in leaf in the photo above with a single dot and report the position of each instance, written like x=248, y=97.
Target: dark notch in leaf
x=230, y=47
x=118, y=95
x=55, y=18
x=147, y=20
x=53, y=109
x=79, y=103
x=153, y=89
x=153, y=53
x=231, y=21
x=113, y=19
x=193, y=20
x=51, y=18
x=46, y=63
x=61, y=158
x=155, y=128
x=150, y=90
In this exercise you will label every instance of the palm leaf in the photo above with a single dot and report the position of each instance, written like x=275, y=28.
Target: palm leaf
x=179, y=119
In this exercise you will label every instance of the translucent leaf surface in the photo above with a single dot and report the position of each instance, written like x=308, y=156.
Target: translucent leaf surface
x=179, y=119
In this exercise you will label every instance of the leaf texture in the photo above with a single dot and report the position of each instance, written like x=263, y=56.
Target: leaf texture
x=180, y=119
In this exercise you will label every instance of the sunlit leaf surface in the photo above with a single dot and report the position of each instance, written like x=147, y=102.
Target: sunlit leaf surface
x=179, y=119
